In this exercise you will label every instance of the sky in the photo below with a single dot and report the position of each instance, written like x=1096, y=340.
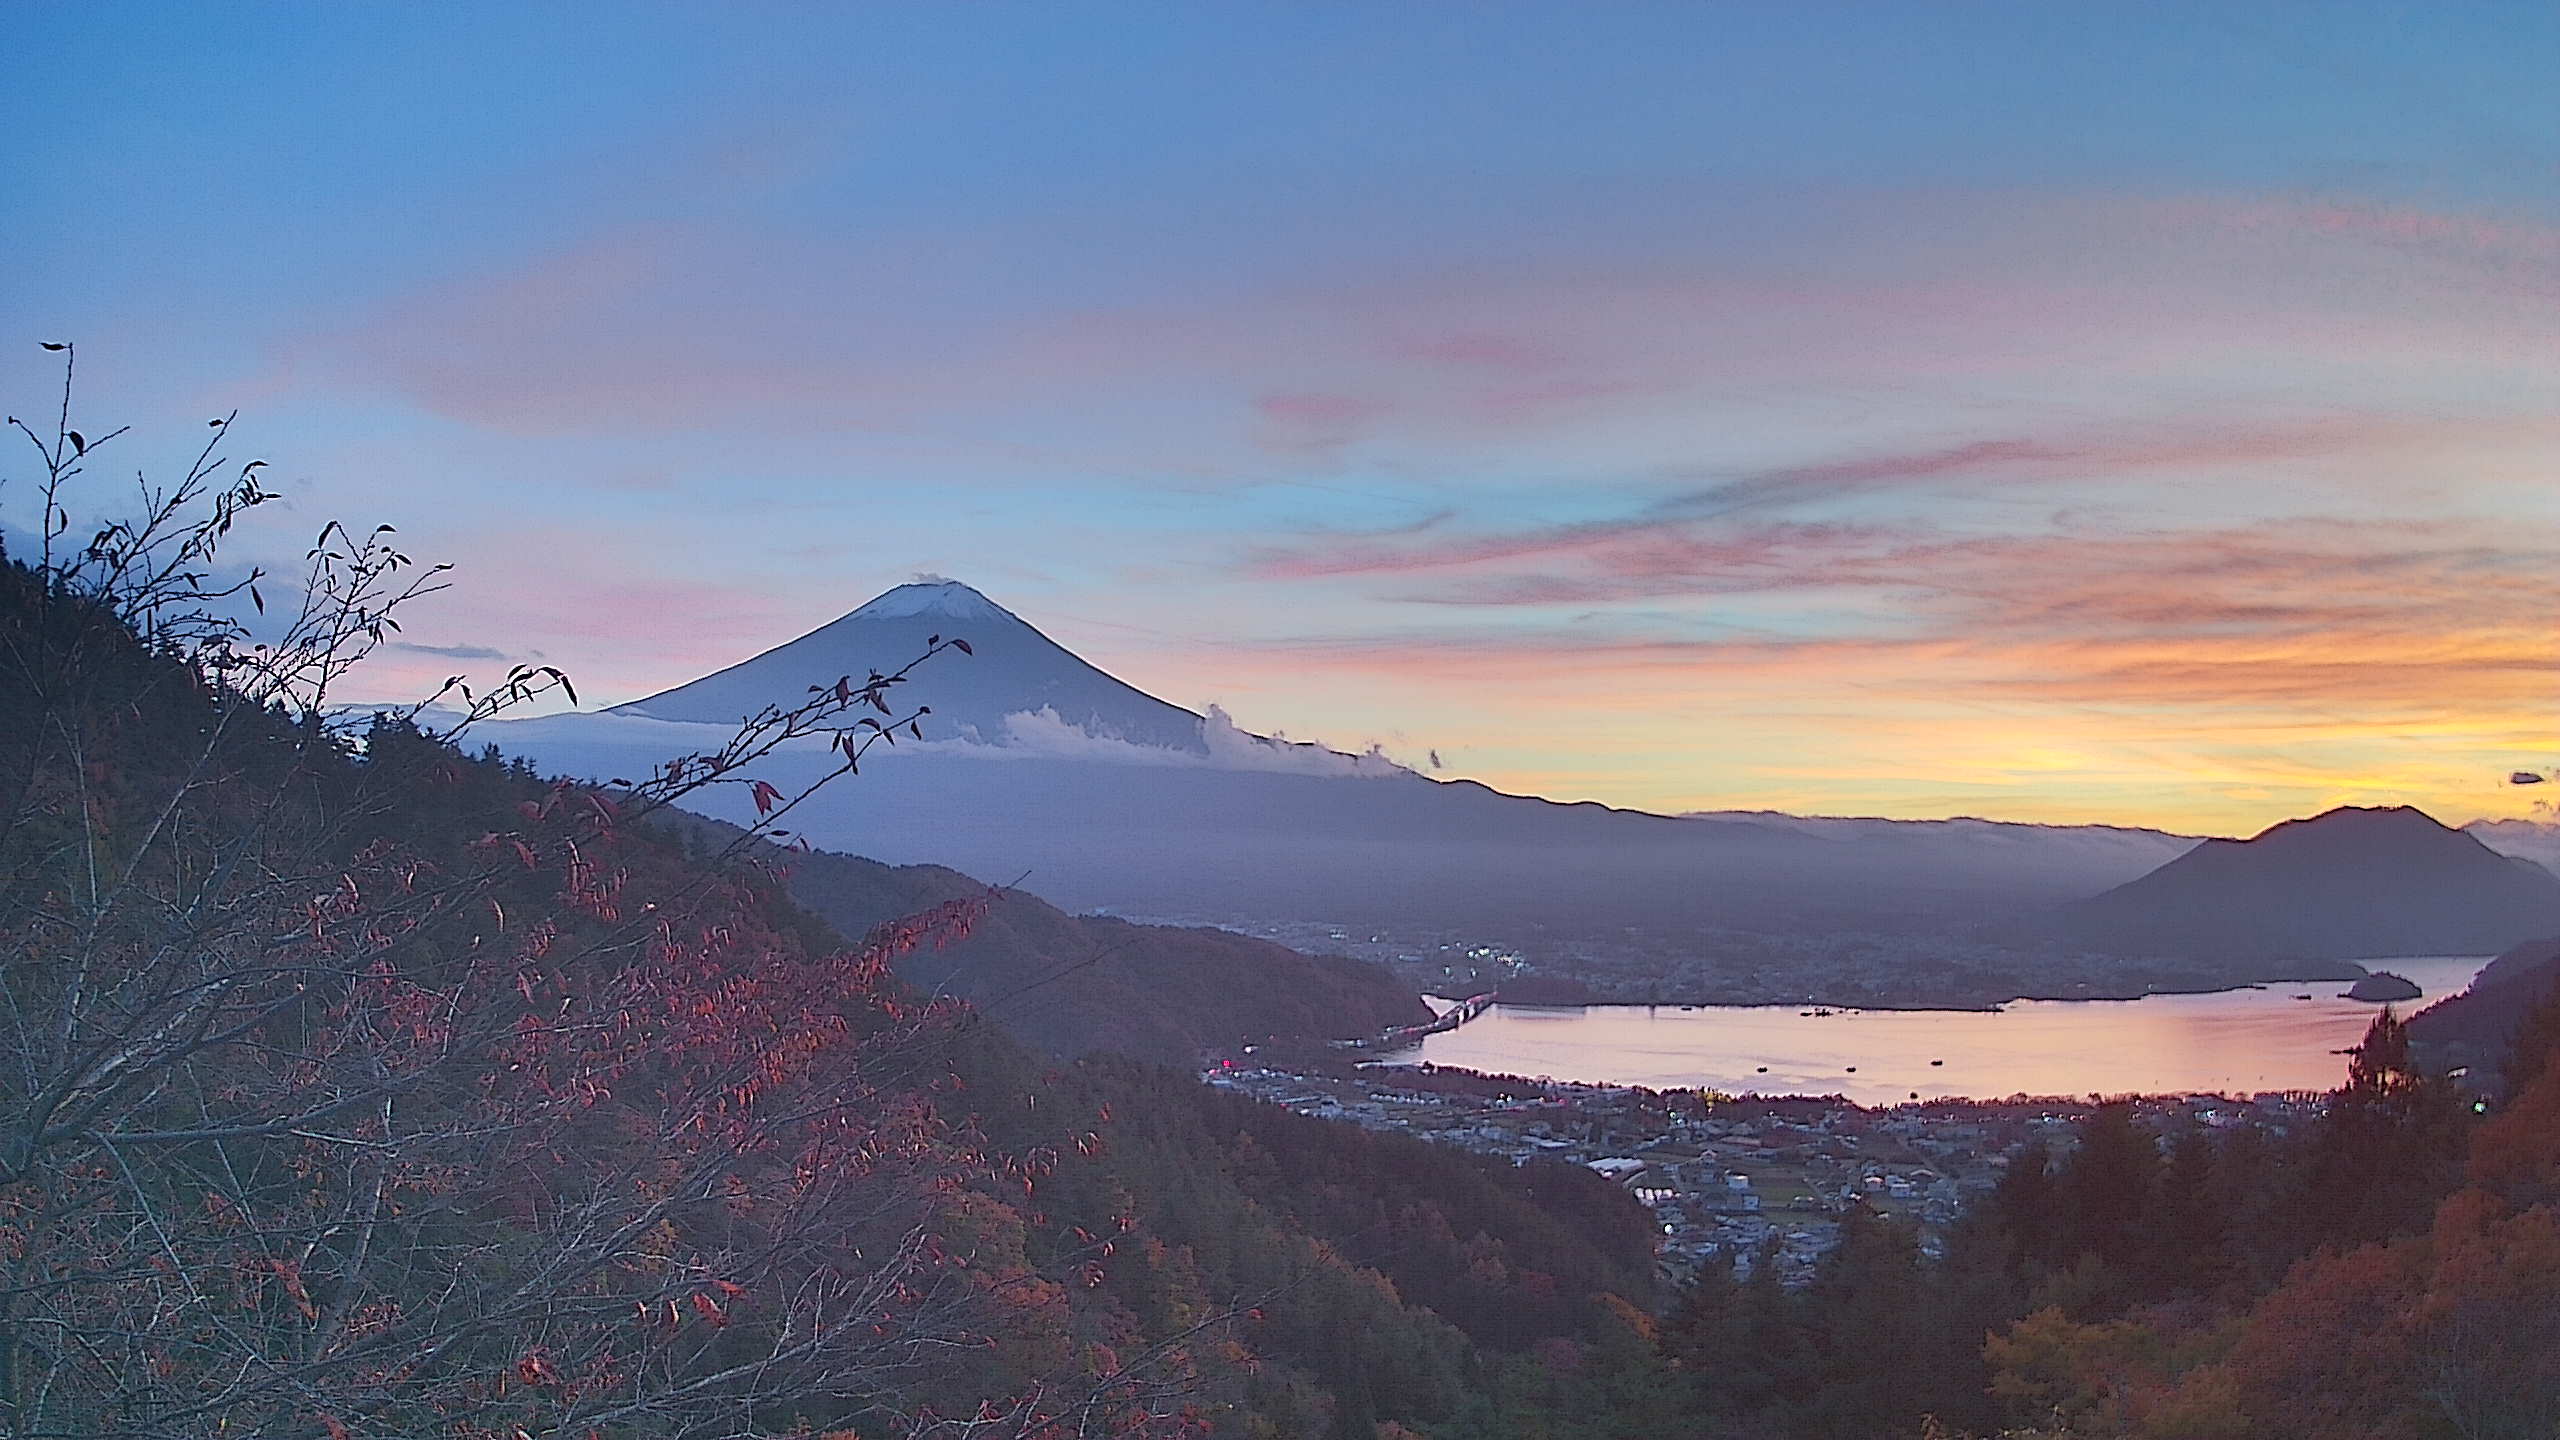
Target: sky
x=2142, y=413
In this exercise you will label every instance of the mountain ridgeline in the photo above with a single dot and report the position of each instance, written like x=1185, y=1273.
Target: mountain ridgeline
x=1077, y=985
x=1018, y=671
x=2478, y=1028
x=1101, y=798
x=1123, y=802
x=2348, y=884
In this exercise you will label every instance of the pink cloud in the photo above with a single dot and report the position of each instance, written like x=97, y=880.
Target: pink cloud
x=620, y=629
x=2389, y=622
x=2487, y=236
x=1301, y=420
x=1316, y=409
x=1663, y=540
x=2208, y=443
x=1320, y=412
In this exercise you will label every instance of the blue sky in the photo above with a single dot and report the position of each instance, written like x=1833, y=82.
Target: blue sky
x=2080, y=412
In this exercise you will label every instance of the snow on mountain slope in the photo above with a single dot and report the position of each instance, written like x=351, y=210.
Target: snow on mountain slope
x=1015, y=671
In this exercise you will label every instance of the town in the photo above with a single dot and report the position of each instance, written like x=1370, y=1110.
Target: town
x=1725, y=1176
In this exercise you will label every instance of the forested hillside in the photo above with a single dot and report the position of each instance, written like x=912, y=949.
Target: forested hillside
x=2388, y=1270
x=1075, y=984
x=358, y=1086
x=2475, y=1030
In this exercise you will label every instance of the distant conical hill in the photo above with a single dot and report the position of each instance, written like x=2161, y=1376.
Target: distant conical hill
x=1013, y=670
x=2350, y=884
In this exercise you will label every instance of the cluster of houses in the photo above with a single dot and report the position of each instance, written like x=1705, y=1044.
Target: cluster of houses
x=1726, y=1179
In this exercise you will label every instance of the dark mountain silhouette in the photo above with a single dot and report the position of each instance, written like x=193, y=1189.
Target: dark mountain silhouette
x=2350, y=884
x=1014, y=669
x=2475, y=1027
x=2532, y=960
x=2384, y=987
x=1074, y=985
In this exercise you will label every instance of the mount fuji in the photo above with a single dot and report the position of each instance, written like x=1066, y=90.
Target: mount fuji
x=1102, y=797
x=1014, y=670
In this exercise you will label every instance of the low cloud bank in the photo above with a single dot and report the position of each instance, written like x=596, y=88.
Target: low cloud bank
x=1226, y=746
x=1028, y=735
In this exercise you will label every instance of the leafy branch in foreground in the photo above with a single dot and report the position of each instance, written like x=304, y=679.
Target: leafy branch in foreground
x=352, y=1087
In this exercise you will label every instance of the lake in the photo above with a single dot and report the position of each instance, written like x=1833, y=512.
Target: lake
x=2233, y=1042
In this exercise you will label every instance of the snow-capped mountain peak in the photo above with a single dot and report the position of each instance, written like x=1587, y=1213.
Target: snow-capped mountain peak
x=1010, y=670
x=943, y=599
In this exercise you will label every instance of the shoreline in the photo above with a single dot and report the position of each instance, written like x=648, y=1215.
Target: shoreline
x=1500, y=1081
x=2246, y=1038
x=1985, y=1007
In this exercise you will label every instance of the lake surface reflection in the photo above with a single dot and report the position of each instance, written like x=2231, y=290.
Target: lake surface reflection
x=2233, y=1042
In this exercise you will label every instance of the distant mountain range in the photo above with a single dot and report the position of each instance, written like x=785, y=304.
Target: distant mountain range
x=2349, y=884
x=1102, y=798
x=1107, y=798
x=2535, y=840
